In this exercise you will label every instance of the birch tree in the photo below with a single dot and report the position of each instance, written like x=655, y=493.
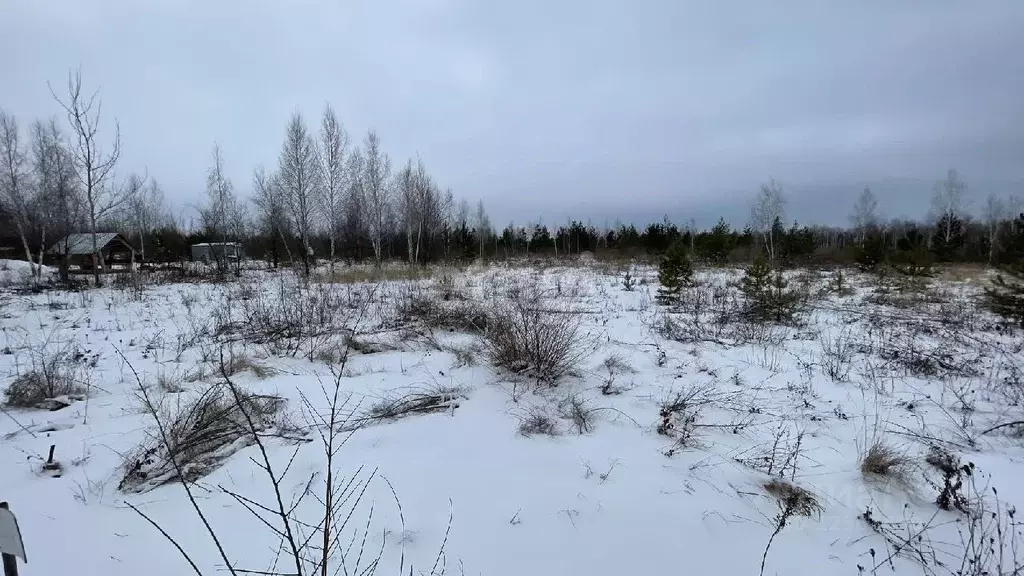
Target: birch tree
x=995, y=213
x=430, y=206
x=332, y=150
x=768, y=208
x=865, y=213
x=272, y=211
x=61, y=200
x=147, y=209
x=220, y=215
x=376, y=188
x=298, y=175
x=949, y=201
x=483, y=226
x=94, y=165
x=405, y=190
x=354, y=204
x=15, y=188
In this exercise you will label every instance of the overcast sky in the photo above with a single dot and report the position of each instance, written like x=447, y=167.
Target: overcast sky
x=607, y=109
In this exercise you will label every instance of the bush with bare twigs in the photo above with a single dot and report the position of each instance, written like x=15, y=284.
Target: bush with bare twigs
x=579, y=413
x=679, y=415
x=295, y=318
x=523, y=337
x=55, y=377
x=988, y=542
x=837, y=356
x=434, y=311
x=952, y=489
x=781, y=457
x=538, y=422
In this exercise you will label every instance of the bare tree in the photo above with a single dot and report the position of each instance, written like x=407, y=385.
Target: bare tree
x=483, y=226
x=15, y=188
x=60, y=197
x=332, y=149
x=94, y=166
x=431, y=209
x=220, y=216
x=1014, y=209
x=865, y=213
x=405, y=188
x=995, y=213
x=354, y=203
x=768, y=208
x=272, y=211
x=376, y=187
x=446, y=218
x=147, y=209
x=949, y=201
x=298, y=175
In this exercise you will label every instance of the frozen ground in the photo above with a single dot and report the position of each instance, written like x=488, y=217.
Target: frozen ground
x=666, y=434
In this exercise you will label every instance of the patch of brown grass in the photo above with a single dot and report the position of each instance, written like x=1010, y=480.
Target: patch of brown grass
x=241, y=363
x=793, y=498
x=357, y=274
x=885, y=460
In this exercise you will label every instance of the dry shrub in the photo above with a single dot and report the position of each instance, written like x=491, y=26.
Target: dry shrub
x=524, y=338
x=793, y=498
x=435, y=311
x=679, y=415
x=780, y=457
x=437, y=399
x=883, y=460
x=169, y=382
x=464, y=355
x=54, y=378
x=952, y=494
x=293, y=318
x=236, y=364
x=357, y=274
x=837, y=356
x=538, y=422
x=574, y=408
x=197, y=435
x=616, y=364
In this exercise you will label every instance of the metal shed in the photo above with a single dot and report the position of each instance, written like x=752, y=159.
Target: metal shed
x=217, y=252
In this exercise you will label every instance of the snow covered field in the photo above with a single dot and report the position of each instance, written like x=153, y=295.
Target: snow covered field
x=681, y=441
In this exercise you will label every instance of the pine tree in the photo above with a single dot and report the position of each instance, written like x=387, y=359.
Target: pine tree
x=871, y=253
x=767, y=291
x=674, y=272
x=756, y=283
x=913, y=258
x=1006, y=295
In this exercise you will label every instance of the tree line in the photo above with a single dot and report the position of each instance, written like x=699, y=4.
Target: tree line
x=333, y=198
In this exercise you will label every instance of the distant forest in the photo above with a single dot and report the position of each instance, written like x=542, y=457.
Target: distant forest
x=327, y=197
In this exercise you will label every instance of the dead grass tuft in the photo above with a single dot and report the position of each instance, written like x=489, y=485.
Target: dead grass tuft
x=198, y=435
x=885, y=460
x=437, y=399
x=793, y=498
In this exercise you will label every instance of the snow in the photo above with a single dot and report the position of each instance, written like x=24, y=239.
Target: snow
x=18, y=271
x=607, y=502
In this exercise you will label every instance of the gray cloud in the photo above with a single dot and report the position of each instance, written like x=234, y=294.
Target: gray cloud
x=599, y=108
